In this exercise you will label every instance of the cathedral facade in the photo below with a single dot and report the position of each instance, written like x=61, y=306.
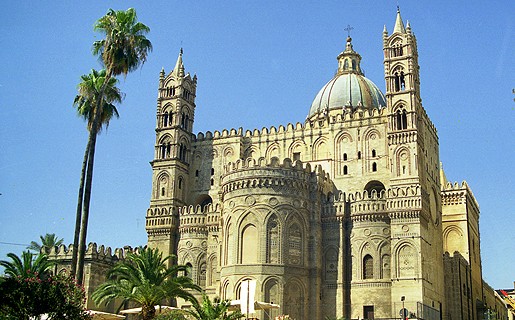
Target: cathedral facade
x=343, y=215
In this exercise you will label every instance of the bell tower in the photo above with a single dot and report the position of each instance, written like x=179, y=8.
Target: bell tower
x=172, y=156
x=414, y=162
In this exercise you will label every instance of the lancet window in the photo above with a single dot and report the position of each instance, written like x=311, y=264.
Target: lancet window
x=399, y=82
x=401, y=120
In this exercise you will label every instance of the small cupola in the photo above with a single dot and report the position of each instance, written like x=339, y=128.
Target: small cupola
x=349, y=60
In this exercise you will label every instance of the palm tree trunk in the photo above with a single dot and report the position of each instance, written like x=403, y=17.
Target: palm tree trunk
x=89, y=178
x=147, y=312
x=85, y=208
x=78, y=215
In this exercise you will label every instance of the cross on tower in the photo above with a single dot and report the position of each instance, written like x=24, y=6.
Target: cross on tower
x=348, y=29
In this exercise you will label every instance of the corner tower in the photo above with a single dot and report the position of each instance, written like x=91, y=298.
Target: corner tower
x=171, y=164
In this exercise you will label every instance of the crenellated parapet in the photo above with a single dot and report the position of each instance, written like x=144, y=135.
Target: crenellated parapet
x=374, y=205
x=318, y=121
x=290, y=177
x=197, y=219
x=456, y=193
x=94, y=252
x=160, y=220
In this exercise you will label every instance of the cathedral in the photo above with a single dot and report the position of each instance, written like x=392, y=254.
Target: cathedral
x=347, y=215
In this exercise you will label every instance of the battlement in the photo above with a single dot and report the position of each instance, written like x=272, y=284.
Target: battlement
x=292, y=177
x=287, y=165
x=315, y=122
x=366, y=203
x=455, y=186
x=93, y=252
x=456, y=193
x=198, y=210
x=195, y=219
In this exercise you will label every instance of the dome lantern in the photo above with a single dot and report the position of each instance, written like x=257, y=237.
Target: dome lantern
x=349, y=88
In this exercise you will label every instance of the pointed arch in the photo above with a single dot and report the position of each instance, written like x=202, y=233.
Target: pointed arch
x=295, y=298
x=331, y=264
x=453, y=239
x=272, y=292
x=297, y=149
x=251, y=152
x=403, y=161
x=343, y=147
x=163, y=185
x=406, y=260
x=321, y=149
x=272, y=151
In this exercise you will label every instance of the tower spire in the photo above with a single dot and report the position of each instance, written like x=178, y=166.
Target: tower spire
x=179, y=66
x=399, y=25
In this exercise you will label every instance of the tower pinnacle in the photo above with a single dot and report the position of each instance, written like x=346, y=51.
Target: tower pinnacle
x=399, y=25
x=179, y=66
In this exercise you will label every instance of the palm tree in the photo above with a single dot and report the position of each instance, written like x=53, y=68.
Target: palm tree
x=124, y=48
x=145, y=278
x=48, y=241
x=89, y=93
x=27, y=266
x=216, y=310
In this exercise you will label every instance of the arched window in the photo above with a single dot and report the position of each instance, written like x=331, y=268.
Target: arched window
x=346, y=64
x=179, y=183
x=373, y=153
x=163, y=190
x=368, y=267
x=374, y=167
x=345, y=170
x=344, y=157
x=359, y=155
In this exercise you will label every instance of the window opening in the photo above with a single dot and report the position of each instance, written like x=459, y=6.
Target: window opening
x=374, y=167
x=296, y=156
x=374, y=153
x=368, y=267
x=344, y=157
x=345, y=170
x=359, y=155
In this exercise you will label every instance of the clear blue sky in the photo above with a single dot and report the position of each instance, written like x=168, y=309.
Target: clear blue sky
x=260, y=61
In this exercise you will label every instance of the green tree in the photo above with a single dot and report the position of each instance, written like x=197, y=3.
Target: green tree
x=124, y=48
x=48, y=241
x=29, y=290
x=213, y=310
x=146, y=279
x=85, y=101
x=28, y=265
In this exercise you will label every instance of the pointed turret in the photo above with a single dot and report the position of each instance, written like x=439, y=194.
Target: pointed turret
x=179, y=66
x=399, y=25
